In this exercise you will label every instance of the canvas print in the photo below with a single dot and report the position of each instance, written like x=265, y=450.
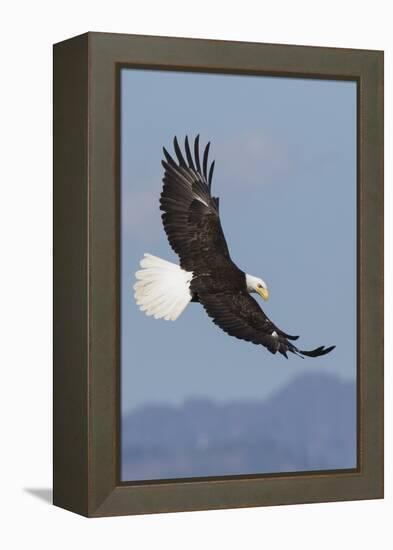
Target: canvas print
x=223, y=176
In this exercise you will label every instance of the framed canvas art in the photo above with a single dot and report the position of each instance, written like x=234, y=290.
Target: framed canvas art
x=218, y=263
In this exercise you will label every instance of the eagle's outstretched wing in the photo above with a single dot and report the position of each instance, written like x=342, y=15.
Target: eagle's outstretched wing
x=190, y=214
x=240, y=315
x=192, y=224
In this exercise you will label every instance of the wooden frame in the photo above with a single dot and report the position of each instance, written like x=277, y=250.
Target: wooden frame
x=86, y=274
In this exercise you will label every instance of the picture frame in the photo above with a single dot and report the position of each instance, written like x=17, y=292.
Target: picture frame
x=86, y=385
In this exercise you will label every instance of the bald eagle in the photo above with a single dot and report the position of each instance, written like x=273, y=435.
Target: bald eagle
x=206, y=274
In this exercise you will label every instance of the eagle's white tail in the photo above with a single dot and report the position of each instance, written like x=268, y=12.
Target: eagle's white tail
x=162, y=288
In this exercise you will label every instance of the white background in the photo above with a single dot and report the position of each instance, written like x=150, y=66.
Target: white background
x=27, y=31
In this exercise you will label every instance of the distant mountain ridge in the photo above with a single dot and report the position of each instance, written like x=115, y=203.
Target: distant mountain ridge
x=309, y=425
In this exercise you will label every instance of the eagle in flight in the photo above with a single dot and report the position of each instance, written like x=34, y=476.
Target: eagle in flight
x=206, y=274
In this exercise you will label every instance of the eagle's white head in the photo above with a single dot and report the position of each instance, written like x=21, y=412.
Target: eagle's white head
x=256, y=284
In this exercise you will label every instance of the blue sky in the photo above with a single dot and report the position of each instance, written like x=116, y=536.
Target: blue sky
x=285, y=152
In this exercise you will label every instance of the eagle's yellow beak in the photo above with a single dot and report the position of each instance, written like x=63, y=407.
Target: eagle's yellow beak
x=263, y=292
